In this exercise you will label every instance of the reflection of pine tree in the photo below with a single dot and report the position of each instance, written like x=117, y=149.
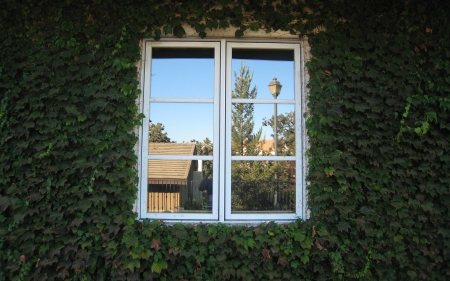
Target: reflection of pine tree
x=246, y=175
x=242, y=125
x=253, y=182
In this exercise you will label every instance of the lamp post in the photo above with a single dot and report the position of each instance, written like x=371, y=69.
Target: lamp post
x=275, y=89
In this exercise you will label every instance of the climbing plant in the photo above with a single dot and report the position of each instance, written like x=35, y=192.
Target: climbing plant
x=378, y=126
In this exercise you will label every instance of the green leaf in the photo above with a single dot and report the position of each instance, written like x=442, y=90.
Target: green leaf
x=254, y=26
x=238, y=33
x=130, y=241
x=200, y=258
x=431, y=116
x=305, y=257
x=249, y=243
x=179, y=31
x=343, y=226
x=159, y=265
x=132, y=264
x=307, y=243
x=4, y=202
x=427, y=206
x=82, y=117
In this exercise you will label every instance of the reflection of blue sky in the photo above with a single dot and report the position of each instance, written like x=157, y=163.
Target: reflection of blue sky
x=182, y=78
x=184, y=121
x=194, y=78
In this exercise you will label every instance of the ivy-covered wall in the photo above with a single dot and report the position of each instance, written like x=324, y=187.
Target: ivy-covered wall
x=378, y=124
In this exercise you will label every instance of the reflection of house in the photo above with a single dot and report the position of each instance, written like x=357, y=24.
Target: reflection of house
x=266, y=146
x=170, y=181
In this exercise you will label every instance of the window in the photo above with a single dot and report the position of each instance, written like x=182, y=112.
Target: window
x=216, y=144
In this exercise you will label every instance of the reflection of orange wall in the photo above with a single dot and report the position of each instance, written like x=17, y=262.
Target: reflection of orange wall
x=163, y=201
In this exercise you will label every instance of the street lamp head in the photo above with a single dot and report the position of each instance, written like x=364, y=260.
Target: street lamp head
x=275, y=87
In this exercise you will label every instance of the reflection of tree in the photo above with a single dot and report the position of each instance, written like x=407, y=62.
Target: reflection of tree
x=242, y=138
x=247, y=176
x=157, y=134
x=285, y=131
x=204, y=148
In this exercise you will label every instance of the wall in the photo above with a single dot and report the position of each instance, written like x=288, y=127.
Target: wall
x=378, y=163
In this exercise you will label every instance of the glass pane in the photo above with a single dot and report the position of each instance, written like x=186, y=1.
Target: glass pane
x=253, y=70
x=179, y=186
x=182, y=123
x=182, y=73
x=252, y=131
x=263, y=186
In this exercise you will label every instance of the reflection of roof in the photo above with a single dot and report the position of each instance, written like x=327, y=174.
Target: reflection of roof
x=266, y=146
x=169, y=171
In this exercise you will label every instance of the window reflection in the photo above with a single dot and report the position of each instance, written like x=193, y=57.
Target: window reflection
x=182, y=73
x=252, y=129
x=179, y=185
x=263, y=186
x=264, y=65
x=182, y=122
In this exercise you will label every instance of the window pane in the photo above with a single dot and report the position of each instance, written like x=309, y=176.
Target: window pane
x=182, y=122
x=263, y=66
x=182, y=73
x=252, y=131
x=177, y=186
x=263, y=186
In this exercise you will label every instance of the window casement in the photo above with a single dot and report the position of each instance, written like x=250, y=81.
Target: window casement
x=216, y=144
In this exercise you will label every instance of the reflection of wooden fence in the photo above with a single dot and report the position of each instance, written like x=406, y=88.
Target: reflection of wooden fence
x=164, y=196
x=163, y=201
x=169, y=196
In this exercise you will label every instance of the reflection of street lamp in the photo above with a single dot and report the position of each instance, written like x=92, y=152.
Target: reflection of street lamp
x=275, y=89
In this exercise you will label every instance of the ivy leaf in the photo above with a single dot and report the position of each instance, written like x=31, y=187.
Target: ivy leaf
x=156, y=244
x=343, y=226
x=159, y=265
x=427, y=206
x=179, y=31
x=239, y=33
x=254, y=26
x=131, y=265
x=130, y=241
x=4, y=202
x=82, y=117
x=306, y=243
x=249, y=243
x=431, y=116
x=117, y=64
x=200, y=258
x=167, y=29
x=305, y=257
x=223, y=24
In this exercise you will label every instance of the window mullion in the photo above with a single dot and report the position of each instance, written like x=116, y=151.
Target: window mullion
x=222, y=130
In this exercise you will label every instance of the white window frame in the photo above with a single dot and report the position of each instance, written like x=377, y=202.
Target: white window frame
x=222, y=157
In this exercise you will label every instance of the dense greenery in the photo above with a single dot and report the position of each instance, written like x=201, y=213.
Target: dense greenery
x=156, y=133
x=378, y=123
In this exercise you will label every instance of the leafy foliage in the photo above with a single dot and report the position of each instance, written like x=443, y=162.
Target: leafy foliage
x=157, y=134
x=378, y=126
x=285, y=132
